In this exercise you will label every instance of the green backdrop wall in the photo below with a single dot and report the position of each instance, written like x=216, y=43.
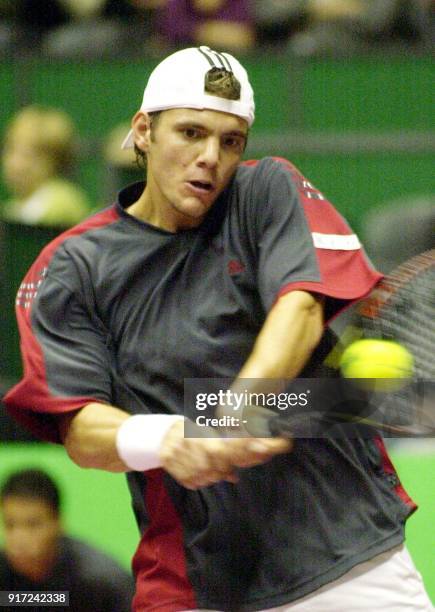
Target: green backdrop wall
x=373, y=94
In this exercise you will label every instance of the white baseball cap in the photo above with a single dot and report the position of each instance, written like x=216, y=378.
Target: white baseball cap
x=178, y=82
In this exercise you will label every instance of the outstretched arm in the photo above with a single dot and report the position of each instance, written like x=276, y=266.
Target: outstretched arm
x=289, y=335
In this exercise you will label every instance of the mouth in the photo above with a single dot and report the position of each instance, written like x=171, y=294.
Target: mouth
x=201, y=186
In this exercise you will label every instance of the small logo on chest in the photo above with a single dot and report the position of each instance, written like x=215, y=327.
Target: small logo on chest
x=235, y=267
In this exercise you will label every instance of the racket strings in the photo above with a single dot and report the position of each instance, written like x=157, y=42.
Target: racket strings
x=402, y=308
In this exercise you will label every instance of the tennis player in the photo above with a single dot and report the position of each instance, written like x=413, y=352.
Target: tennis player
x=213, y=268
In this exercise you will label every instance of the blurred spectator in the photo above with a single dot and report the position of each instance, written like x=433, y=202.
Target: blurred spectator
x=105, y=28
x=6, y=25
x=39, y=557
x=84, y=28
x=277, y=20
x=316, y=26
x=38, y=153
x=114, y=154
x=121, y=164
x=398, y=230
x=224, y=24
x=47, y=14
x=355, y=25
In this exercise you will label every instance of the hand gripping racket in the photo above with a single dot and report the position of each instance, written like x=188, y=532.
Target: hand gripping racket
x=401, y=308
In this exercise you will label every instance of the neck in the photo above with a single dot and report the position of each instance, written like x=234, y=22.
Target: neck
x=144, y=210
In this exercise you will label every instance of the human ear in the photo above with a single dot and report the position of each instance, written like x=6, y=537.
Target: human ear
x=141, y=127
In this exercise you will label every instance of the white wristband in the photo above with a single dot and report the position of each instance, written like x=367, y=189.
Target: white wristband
x=139, y=438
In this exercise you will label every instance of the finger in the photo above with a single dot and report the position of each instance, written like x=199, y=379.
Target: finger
x=199, y=463
x=206, y=480
x=259, y=450
x=271, y=445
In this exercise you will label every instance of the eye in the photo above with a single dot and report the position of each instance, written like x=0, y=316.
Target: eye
x=191, y=133
x=234, y=142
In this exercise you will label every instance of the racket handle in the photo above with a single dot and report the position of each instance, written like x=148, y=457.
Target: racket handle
x=280, y=427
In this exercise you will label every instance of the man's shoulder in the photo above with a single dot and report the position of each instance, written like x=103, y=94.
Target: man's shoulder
x=92, y=560
x=256, y=167
x=98, y=221
x=257, y=174
x=256, y=179
x=3, y=560
x=253, y=167
x=75, y=235
x=99, y=575
x=5, y=570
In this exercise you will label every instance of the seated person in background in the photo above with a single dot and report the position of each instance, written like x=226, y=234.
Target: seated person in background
x=38, y=557
x=82, y=28
x=121, y=164
x=218, y=23
x=45, y=15
x=38, y=152
x=355, y=25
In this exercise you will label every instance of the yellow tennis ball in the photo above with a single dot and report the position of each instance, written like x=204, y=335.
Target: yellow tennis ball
x=387, y=364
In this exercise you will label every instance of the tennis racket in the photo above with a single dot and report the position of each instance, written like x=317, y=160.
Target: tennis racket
x=401, y=308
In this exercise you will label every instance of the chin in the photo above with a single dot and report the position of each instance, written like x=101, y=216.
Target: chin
x=194, y=210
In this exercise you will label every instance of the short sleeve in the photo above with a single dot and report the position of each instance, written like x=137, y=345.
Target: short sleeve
x=304, y=243
x=64, y=347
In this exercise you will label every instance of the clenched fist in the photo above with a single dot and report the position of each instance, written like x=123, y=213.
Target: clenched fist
x=200, y=462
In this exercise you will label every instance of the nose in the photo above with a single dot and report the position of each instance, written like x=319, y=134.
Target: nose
x=210, y=153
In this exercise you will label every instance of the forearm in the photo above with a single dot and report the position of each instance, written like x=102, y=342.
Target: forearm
x=92, y=439
x=289, y=335
x=89, y=436
x=104, y=437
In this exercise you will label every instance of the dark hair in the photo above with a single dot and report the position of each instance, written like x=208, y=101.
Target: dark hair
x=32, y=484
x=222, y=83
x=141, y=158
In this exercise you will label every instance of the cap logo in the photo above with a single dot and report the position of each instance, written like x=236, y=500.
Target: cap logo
x=220, y=79
x=215, y=59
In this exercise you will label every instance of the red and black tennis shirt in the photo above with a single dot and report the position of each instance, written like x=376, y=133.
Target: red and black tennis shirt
x=118, y=311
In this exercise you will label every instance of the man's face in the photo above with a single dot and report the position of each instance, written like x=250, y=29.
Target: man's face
x=25, y=166
x=31, y=530
x=191, y=157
